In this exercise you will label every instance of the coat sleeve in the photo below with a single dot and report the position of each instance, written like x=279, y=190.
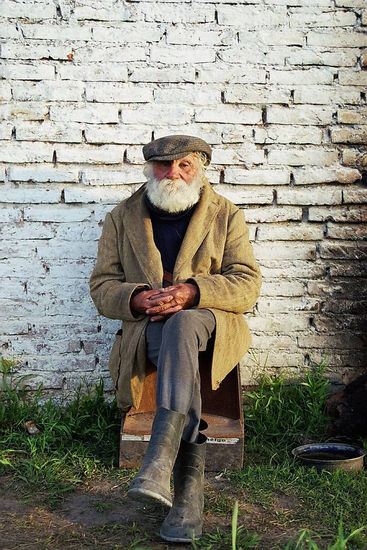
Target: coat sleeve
x=108, y=287
x=236, y=288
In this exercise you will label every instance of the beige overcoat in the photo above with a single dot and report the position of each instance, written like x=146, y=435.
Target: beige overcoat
x=215, y=252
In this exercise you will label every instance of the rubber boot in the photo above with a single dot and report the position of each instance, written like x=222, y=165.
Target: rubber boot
x=152, y=483
x=185, y=519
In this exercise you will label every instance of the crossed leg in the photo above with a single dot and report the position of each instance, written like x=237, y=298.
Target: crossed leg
x=174, y=346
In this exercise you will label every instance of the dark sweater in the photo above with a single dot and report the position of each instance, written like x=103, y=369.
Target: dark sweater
x=168, y=231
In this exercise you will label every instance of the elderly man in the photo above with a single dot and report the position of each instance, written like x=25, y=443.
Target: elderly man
x=175, y=265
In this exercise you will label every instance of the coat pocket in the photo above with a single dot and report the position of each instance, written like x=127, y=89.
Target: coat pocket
x=115, y=358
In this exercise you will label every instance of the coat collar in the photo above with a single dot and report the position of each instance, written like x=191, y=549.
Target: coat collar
x=138, y=227
x=139, y=230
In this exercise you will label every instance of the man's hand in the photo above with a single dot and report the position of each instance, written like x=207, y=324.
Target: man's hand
x=163, y=302
x=150, y=298
x=181, y=296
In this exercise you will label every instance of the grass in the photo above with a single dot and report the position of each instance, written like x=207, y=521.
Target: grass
x=322, y=498
x=75, y=441
x=306, y=540
x=78, y=441
x=238, y=540
x=282, y=413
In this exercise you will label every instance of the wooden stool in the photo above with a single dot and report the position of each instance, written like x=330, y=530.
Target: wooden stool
x=221, y=409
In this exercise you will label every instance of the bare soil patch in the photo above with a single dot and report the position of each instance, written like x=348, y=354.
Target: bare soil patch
x=99, y=515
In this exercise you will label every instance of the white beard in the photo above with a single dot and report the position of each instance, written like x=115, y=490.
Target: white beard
x=173, y=195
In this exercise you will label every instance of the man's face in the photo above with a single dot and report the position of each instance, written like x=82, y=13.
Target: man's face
x=185, y=168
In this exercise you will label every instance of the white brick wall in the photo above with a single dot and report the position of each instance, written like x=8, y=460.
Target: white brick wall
x=278, y=87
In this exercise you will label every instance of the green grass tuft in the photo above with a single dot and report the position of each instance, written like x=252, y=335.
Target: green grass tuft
x=282, y=413
x=75, y=441
x=306, y=540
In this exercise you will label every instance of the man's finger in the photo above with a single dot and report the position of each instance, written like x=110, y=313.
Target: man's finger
x=166, y=291
x=156, y=302
x=154, y=293
x=173, y=309
x=167, y=288
x=160, y=308
x=157, y=318
x=169, y=311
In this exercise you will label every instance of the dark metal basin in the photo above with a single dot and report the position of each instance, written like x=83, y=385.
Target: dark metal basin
x=330, y=456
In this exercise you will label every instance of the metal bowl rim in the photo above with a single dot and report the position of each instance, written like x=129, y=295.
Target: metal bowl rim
x=326, y=446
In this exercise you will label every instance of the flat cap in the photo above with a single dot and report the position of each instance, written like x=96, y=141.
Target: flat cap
x=175, y=147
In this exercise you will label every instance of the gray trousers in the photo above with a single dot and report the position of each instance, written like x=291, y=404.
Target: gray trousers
x=174, y=346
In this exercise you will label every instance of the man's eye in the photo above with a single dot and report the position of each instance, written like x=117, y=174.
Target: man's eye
x=185, y=165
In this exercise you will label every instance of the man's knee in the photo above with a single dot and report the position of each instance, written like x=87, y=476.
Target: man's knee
x=190, y=323
x=178, y=319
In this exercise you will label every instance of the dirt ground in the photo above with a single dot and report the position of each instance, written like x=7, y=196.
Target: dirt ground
x=98, y=515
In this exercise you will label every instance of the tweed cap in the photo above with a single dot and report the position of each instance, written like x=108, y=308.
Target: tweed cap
x=175, y=147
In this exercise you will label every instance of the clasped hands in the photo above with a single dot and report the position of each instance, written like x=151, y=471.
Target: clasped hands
x=161, y=303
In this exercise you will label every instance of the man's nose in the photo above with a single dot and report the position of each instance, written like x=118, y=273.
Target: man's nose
x=174, y=171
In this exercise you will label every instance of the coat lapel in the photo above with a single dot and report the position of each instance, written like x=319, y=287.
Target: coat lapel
x=138, y=227
x=198, y=228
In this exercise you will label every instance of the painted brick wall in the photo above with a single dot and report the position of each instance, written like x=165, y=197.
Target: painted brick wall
x=278, y=87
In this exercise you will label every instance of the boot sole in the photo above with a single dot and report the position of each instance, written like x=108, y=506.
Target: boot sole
x=148, y=497
x=169, y=538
